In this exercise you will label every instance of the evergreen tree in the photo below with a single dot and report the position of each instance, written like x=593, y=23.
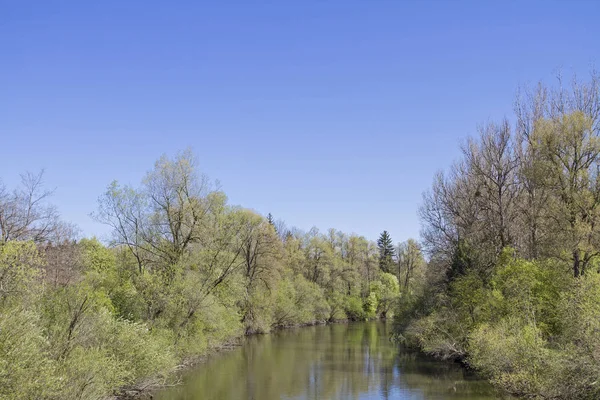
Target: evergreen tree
x=270, y=220
x=386, y=252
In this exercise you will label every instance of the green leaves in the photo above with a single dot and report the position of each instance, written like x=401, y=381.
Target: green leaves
x=20, y=268
x=184, y=272
x=26, y=369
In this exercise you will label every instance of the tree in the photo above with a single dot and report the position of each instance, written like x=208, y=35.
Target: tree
x=570, y=157
x=386, y=291
x=161, y=220
x=558, y=129
x=260, y=251
x=271, y=221
x=410, y=264
x=26, y=215
x=184, y=272
x=19, y=269
x=63, y=263
x=319, y=259
x=493, y=166
x=512, y=236
x=386, y=252
x=123, y=208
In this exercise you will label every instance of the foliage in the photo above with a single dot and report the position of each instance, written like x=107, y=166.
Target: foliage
x=512, y=285
x=19, y=268
x=385, y=292
x=26, y=369
x=184, y=272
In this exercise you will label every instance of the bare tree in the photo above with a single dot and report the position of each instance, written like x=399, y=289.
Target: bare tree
x=559, y=134
x=536, y=190
x=159, y=221
x=26, y=215
x=492, y=163
x=63, y=263
x=179, y=199
x=124, y=210
x=260, y=250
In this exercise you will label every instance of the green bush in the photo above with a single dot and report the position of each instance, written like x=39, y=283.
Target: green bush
x=354, y=308
x=26, y=369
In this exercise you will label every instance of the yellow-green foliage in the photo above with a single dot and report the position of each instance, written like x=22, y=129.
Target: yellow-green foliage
x=298, y=301
x=140, y=352
x=512, y=286
x=532, y=328
x=113, y=325
x=369, y=306
x=513, y=354
x=386, y=291
x=186, y=272
x=440, y=333
x=19, y=267
x=90, y=373
x=96, y=257
x=26, y=369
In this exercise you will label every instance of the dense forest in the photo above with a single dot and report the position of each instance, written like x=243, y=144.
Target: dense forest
x=511, y=230
x=184, y=272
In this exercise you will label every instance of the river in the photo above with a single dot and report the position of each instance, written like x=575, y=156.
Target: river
x=338, y=361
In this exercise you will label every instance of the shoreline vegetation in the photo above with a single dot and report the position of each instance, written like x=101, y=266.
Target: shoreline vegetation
x=511, y=230
x=183, y=273
x=145, y=389
x=510, y=286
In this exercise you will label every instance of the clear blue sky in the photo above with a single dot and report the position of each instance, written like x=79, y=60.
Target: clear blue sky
x=325, y=113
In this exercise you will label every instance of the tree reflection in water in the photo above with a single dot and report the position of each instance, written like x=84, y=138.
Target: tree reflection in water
x=339, y=361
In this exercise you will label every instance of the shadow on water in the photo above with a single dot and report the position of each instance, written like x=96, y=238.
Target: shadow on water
x=339, y=361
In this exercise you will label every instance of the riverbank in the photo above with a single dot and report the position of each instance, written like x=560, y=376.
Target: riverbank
x=149, y=388
x=145, y=389
x=332, y=361
x=529, y=327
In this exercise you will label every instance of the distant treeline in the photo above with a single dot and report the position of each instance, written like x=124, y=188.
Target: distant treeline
x=183, y=272
x=512, y=230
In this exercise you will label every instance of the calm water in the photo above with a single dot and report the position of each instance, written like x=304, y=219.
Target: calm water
x=340, y=361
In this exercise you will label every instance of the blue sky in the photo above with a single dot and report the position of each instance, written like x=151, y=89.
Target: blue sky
x=326, y=113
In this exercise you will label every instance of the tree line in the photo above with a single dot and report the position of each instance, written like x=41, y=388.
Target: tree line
x=183, y=272
x=512, y=284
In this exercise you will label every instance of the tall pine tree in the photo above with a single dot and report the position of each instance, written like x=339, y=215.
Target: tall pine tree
x=270, y=220
x=386, y=252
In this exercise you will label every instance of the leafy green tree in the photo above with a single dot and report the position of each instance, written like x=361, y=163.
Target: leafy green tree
x=411, y=265
x=386, y=291
x=26, y=369
x=19, y=271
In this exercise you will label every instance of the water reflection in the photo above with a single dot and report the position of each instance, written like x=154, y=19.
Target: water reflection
x=340, y=361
